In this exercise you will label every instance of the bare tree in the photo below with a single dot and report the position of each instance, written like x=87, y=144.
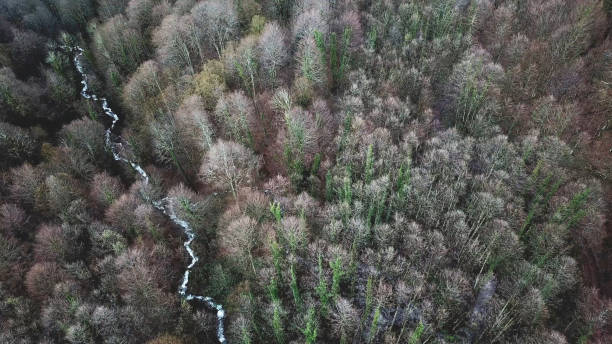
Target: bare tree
x=166, y=339
x=240, y=238
x=470, y=86
x=12, y=218
x=310, y=18
x=144, y=89
x=110, y=8
x=351, y=20
x=344, y=319
x=87, y=136
x=105, y=189
x=294, y=233
x=216, y=21
x=273, y=52
x=41, y=279
x=16, y=145
x=300, y=142
x=19, y=100
x=105, y=241
x=125, y=44
x=193, y=123
x=11, y=257
x=235, y=115
x=6, y=32
x=42, y=20
x=25, y=183
x=191, y=207
x=229, y=165
x=74, y=14
x=138, y=273
x=121, y=214
x=176, y=46
x=171, y=147
x=241, y=64
x=58, y=243
x=182, y=7
x=142, y=15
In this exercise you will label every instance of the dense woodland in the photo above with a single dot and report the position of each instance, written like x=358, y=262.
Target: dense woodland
x=355, y=171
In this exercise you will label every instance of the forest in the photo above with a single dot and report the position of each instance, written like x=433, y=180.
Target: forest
x=305, y=171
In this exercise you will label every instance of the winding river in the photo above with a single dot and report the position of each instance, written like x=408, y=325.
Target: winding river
x=162, y=205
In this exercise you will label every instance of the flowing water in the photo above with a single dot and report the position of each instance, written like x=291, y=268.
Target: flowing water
x=162, y=205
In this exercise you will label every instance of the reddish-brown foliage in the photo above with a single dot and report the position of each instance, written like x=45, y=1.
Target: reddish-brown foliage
x=12, y=218
x=42, y=278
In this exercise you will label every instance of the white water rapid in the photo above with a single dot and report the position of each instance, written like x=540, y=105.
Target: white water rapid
x=162, y=205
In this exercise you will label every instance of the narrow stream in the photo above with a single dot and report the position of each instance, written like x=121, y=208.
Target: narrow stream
x=162, y=205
